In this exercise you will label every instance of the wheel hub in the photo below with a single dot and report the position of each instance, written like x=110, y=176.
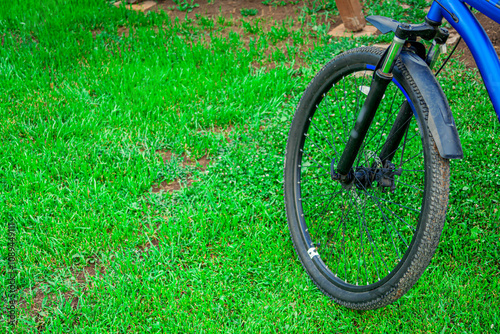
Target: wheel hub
x=365, y=178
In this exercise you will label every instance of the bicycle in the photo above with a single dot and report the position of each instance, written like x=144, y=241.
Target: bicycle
x=366, y=178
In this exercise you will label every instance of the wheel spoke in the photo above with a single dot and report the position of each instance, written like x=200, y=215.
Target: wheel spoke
x=391, y=113
x=328, y=119
x=387, y=227
x=314, y=143
x=413, y=157
x=345, y=106
x=390, y=136
x=406, y=184
x=404, y=145
x=321, y=195
x=384, y=125
x=393, y=213
x=321, y=166
x=316, y=177
x=400, y=205
x=332, y=146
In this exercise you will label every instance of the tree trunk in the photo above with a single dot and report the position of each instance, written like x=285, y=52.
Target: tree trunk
x=351, y=14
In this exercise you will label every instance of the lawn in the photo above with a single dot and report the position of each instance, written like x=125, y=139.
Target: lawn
x=142, y=163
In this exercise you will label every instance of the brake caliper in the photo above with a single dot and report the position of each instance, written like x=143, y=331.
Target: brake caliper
x=385, y=176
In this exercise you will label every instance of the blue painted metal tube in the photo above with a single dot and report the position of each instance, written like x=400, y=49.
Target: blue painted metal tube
x=477, y=40
x=490, y=8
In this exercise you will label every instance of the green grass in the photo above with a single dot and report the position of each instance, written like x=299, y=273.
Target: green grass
x=248, y=11
x=185, y=5
x=85, y=113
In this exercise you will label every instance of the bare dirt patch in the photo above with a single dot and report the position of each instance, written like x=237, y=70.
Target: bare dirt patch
x=81, y=278
x=88, y=271
x=168, y=187
x=492, y=29
x=165, y=155
x=152, y=243
x=268, y=17
x=44, y=299
x=223, y=17
x=123, y=31
x=225, y=131
x=232, y=8
x=200, y=163
x=204, y=161
x=186, y=161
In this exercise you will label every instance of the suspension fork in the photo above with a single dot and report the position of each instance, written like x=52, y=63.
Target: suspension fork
x=381, y=79
x=405, y=114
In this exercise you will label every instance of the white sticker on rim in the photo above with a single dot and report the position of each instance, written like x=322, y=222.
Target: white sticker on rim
x=312, y=252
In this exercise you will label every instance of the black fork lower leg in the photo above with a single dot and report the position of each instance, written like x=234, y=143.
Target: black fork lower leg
x=363, y=122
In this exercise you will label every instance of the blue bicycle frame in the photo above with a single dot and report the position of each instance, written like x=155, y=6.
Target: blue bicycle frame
x=475, y=37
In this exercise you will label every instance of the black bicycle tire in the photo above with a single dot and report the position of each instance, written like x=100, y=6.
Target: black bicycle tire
x=433, y=212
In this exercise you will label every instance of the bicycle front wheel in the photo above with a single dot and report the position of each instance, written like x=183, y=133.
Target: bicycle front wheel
x=364, y=244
